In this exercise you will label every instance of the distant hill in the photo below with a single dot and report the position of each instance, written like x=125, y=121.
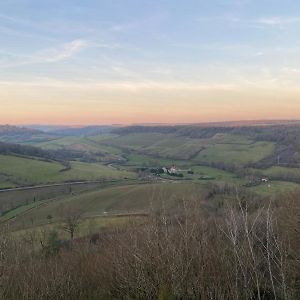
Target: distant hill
x=277, y=132
x=63, y=155
x=14, y=130
x=46, y=128
x=83, y=131
x=22, y=150
x=241, y=123
x=285, y=137
x=15, y=134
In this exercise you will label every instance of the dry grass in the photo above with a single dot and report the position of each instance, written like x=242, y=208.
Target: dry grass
x=241, y=254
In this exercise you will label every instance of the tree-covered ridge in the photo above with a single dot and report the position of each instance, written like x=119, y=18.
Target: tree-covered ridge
x=14, y=130
x=36, y=152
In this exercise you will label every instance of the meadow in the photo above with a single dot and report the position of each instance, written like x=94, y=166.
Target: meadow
x=19, y=171
x=238, y=154
x=220, y=148
x=106, y=201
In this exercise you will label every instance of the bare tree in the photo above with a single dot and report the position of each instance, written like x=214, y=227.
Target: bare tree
x=71, y=220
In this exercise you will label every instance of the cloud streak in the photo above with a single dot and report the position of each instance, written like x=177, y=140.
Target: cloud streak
x=122, y=85
x=277, y=21
x=50, y=55
x=58, y=54
x=267, y=22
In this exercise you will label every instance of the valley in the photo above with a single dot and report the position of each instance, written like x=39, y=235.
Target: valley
x=127, y=170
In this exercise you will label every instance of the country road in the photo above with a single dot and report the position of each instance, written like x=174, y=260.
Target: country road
x=49, y=185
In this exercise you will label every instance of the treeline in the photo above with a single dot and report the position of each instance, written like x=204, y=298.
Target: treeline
x=24, y=150
x=190, y=131
x=283, y=155
x=83, y=131
x=281, y=134
x=14, y=130
x=60, y=155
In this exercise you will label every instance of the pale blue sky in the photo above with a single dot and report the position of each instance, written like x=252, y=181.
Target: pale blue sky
x=134, y=46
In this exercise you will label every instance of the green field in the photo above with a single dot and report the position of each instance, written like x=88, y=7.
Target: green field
x=275, y=188
x=76, y=143
x=98, y=204
x=220, y=148
x=20, y=197
x=84, y=144
x=238, y=154
x=25, y=171
x=217, y=174
x=150, y=161
x=283, y=172
x=86, y=227
x=140, y=198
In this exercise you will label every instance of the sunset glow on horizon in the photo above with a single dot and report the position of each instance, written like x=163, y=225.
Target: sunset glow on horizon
x=104, y=62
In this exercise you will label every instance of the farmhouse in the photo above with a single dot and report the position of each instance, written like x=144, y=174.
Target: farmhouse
x=173, y=170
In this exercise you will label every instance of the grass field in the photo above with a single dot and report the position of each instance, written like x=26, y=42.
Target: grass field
x=282, y=172
x=274, y=188
x=238, y=154
x=84, y=144
x=86, y=227
x=24, y=171
x=12, y=199
x=110, y=200
x=107, y=202
x=220, y=148
x=136, y=141
x=157, y=144
x=217, y=174
x=150, y=161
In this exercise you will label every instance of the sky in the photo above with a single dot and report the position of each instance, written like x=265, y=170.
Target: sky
x=141, y=61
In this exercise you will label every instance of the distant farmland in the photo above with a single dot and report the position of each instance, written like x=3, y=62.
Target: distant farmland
x=17, y=171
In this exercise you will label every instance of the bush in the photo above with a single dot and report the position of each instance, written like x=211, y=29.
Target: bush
x=187, y=254
x=52, y=244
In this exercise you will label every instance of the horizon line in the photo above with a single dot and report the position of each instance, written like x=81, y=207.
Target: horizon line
x=245, y=121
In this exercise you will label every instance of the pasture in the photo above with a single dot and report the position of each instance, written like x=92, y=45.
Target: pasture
x=217, y=174
x=83, y=144
x=141, y=160
x=18, y=171
x=236, y=154
x=275, y=188
x=283, y=172
x=86, y=227
x=10, y=200
x=108, y=201
x=223, y=148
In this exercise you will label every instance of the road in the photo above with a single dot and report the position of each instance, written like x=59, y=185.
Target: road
x=49, y=185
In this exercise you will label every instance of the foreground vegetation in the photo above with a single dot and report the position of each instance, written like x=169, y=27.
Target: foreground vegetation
x=248, y=250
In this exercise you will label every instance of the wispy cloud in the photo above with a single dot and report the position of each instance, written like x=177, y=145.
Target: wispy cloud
x=150, y=21
x=268, y=21
x=65, y=51
x=122, y=85
x=277, y=21
x=49, y=55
